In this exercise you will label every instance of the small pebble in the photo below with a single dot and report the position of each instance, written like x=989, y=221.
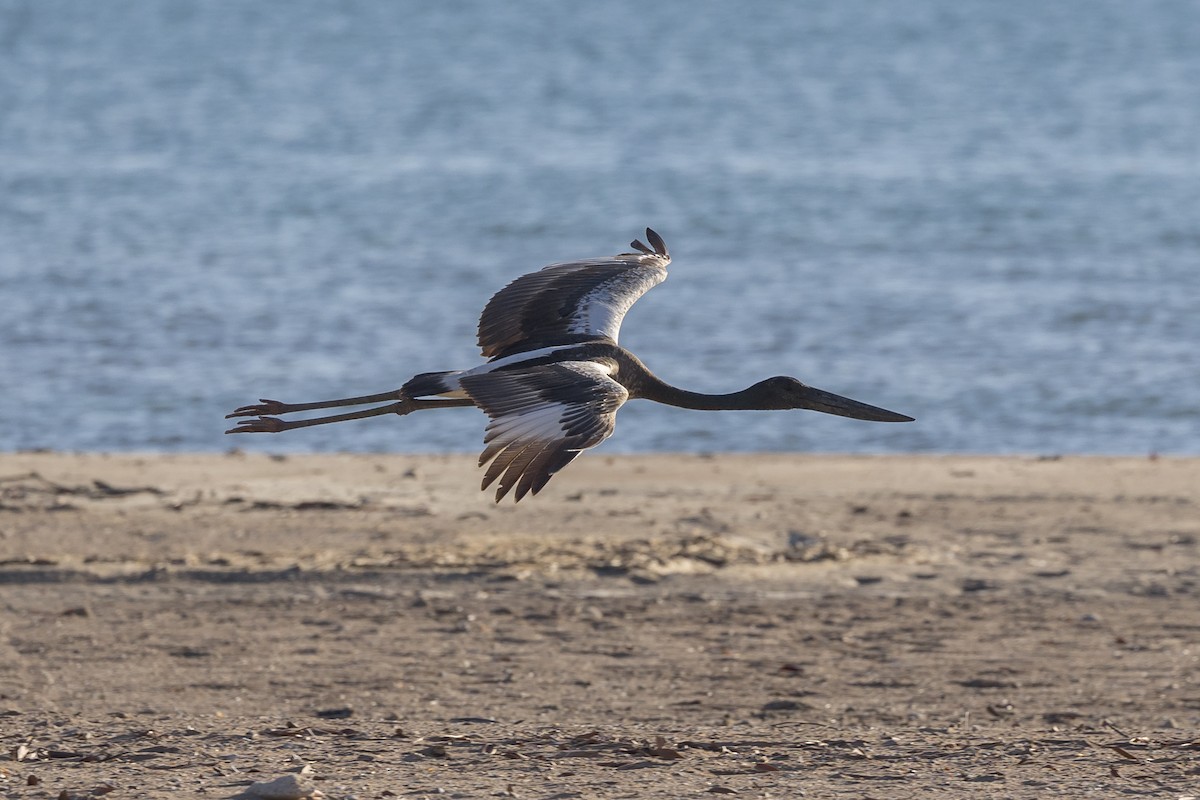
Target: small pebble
x=286, y=787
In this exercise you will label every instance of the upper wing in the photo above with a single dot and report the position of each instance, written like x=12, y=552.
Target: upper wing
x=541, y=419
x=580, y=299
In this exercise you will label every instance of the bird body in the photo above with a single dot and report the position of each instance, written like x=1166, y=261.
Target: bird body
x=556, y=376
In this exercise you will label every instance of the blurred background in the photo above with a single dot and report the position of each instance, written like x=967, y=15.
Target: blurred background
x=983, y=215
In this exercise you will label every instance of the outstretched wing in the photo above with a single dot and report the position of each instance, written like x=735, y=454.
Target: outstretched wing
x=570, y=302
x=541, y=419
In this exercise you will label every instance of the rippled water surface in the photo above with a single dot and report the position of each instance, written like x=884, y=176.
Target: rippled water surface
x=983, y=215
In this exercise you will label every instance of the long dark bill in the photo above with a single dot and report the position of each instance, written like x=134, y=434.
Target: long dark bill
x=830, y=403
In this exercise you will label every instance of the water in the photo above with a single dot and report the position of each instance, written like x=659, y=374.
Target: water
x=983, y=215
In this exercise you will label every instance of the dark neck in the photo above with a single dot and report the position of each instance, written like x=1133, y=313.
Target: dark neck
x=644, y=384
x=661, y=392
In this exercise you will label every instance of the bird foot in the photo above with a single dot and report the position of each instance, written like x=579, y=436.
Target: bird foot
x=260, y=425
x=263, y=408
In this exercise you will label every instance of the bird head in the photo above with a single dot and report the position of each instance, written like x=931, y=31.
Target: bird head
x=783, y=392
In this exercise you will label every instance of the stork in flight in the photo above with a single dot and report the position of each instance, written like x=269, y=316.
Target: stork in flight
x=555, y=375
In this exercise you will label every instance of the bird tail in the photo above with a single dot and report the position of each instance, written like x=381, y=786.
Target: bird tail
x=433, y=384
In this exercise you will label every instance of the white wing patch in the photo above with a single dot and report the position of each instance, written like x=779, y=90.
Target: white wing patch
x=601, y=311
x=579, y=298
x=542, y=418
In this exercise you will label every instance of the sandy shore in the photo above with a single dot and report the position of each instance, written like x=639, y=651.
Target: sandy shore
x=671, y=626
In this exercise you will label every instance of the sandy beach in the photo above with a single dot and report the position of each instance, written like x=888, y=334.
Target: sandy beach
x=672, y=626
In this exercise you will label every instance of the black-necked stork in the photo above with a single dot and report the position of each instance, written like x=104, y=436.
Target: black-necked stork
x=555, y=375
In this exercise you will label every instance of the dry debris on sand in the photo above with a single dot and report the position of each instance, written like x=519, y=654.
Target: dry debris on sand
x=783, y=626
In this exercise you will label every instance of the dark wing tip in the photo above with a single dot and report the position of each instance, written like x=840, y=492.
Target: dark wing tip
x=657, y=242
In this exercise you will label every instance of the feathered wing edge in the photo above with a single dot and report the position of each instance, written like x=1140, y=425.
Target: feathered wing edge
x=542, y=418
x=570, y=301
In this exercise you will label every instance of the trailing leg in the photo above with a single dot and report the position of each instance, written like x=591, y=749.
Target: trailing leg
x=269, y=424
x=273, y=407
